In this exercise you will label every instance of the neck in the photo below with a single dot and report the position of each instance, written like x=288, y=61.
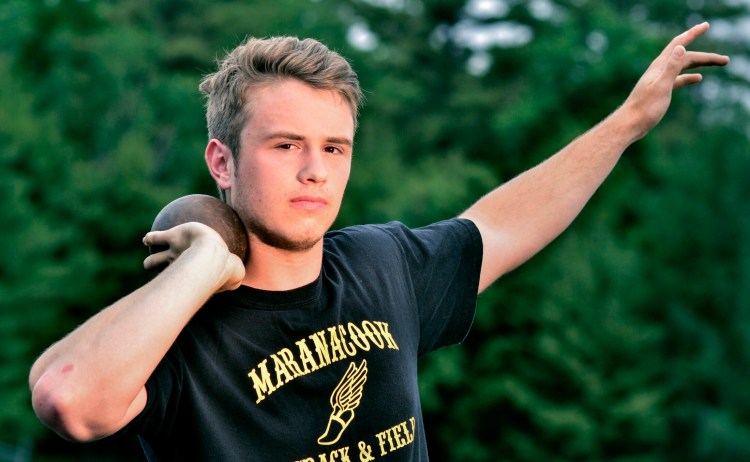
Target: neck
x=270, y=268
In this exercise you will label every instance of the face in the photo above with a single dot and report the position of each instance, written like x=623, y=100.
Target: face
x=293, y=165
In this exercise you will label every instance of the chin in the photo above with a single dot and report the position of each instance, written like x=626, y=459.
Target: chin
x=297, y=245
x=286, y=242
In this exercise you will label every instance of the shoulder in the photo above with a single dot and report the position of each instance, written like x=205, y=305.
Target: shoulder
x=396, y=230
x=361, y=235
x=396, y=237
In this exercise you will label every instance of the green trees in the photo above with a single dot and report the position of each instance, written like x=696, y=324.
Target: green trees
x=626, y=339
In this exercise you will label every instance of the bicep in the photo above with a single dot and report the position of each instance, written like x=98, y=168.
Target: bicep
x=498, y=254
x=136, y=407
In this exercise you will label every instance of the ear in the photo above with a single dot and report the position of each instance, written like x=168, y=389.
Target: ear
x=220, y=163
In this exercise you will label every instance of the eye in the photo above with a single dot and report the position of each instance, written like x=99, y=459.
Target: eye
x=333, y=150
x=285, y=146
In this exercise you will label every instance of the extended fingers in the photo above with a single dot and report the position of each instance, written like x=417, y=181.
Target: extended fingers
x=686, y=79
x=687, y=37
x=697, y=59
x=684, y=39
x=680, y=59
x=690, y=60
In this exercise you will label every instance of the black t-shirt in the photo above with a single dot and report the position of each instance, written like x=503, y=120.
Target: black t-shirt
x=324, y=372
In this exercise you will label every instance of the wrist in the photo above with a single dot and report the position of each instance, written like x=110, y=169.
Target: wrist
x=202, y=264
x=627, y=124
x=223, y=269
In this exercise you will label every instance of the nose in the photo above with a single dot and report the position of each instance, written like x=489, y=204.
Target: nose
x=313, y=168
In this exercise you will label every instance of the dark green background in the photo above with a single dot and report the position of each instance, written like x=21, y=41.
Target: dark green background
x=628, y=339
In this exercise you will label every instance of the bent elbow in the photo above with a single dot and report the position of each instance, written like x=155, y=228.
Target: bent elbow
x=57, y=409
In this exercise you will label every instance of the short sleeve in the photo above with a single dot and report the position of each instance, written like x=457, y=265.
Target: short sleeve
x=162, y=389
x=444, y=262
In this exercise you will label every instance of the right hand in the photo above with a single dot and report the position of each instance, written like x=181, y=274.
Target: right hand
x=194, y=236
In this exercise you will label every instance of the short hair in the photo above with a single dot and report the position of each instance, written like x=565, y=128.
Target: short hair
x=259, y=61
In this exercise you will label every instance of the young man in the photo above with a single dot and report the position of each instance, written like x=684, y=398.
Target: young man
x=308, y=351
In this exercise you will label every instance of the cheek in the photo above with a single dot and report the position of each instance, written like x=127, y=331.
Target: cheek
x=342, y=175
x=246, y=193
x=253, y=179
x=254, y=197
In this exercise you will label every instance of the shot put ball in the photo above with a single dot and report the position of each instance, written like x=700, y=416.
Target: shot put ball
x=208, y=210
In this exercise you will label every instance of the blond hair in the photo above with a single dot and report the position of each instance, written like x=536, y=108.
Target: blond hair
x=259, y=61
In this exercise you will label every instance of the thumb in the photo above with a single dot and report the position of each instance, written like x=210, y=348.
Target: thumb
x=674, y=68
x=678, y=52
x=675, y=60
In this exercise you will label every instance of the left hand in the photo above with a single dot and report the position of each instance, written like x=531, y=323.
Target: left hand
x=650, y=99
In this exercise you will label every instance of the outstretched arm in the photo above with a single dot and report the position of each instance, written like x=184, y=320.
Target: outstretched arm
x=522, y=216
x=91, y=383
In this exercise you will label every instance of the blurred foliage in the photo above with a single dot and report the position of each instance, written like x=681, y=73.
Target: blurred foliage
x=627, y=339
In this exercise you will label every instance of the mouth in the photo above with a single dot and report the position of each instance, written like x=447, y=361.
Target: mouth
x=309, y=202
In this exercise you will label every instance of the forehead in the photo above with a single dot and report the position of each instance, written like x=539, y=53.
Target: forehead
x=292, y=102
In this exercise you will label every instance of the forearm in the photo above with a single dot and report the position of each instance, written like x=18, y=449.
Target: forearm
x=525, y=214
x=85, y=385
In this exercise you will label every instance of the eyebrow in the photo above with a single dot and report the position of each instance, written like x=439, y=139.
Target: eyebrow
x=294, y=136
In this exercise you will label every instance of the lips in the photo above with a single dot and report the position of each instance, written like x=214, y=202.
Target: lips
x=309, y=202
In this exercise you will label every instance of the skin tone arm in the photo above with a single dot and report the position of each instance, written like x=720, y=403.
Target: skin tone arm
x=522, y=216
x=91, y=383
